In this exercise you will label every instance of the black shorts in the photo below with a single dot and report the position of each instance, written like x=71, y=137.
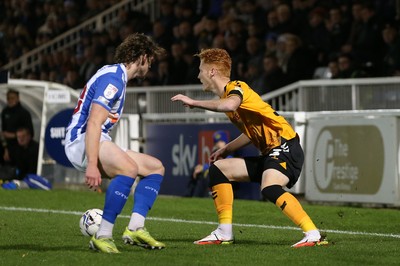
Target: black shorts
x=288, y=158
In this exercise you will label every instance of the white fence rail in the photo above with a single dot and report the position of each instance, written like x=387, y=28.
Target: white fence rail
x=313, y=107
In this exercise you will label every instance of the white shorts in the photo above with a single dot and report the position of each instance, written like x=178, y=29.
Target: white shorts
x=75, y=151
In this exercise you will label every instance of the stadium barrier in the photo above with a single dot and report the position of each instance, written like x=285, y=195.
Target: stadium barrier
x=352, y=154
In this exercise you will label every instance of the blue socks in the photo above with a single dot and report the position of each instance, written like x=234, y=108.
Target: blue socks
x=116, y=196
x=118, y=192
x=146, y=193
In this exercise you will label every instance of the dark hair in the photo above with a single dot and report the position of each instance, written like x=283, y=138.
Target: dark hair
x=11, y=91
x=134, y=46
x=24, y=128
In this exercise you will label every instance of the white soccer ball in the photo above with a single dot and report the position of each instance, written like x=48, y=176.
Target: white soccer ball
x=90, y=221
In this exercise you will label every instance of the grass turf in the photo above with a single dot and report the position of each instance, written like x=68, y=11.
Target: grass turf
x=41, y=228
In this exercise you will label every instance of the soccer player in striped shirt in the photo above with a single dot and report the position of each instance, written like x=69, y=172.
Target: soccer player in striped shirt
x=90, y=148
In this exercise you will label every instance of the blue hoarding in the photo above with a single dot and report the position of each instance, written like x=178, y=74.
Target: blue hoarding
x=55, y=134
x=181, y=146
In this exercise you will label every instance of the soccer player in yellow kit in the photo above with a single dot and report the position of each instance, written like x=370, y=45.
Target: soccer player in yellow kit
x=281, y=158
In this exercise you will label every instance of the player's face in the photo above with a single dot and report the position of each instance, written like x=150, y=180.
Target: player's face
x=205, y=76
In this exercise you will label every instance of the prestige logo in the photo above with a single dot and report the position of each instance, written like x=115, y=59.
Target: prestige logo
x=343, y=162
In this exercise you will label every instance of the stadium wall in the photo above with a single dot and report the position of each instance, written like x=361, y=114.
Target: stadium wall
x=352, y=155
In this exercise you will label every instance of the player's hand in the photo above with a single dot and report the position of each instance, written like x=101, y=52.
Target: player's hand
x=93, y=177
x=6, y=155
x=197, y=170
x=9, y=135
x=187, y=101
x=217, y=155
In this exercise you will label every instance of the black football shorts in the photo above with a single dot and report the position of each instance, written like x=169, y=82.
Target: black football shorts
x=288, y=158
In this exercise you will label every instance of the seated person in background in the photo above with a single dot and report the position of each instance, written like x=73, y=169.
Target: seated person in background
x=25, y=159
x=26, y=153
x=198, y=184
x=13, y=116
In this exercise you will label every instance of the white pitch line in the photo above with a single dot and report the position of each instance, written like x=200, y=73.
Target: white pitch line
x=4, y=208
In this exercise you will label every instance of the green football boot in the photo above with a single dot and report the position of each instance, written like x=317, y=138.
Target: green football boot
x=105, y=245
x=142, y=238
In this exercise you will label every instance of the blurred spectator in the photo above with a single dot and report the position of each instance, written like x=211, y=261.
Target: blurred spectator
x=333, y=69
x=348, y=68
x=270, y=42
x=254, y=30
x=273, y=76
x=338, y=29
x=26, y=160
x=300, y=14
x=253, y=76
x=301, y=62
x=167, y=16
x=26, y=153
x=198, y=184
x=237, y=53
x=251, y=13
x=13, y=116
x=238, y=28
x=272, y=22
x=183, y=33
x=88, y=66
x=391, y=50
x=281, y=51
x=218, y=42
x=194, y=24
x=178, y=66
x=192, y=69
x=73, y=80
x=254, y=52
x=286, y=24
x=316, y=36
x=368, y=43
x=206, y=29
x=163, y=73
x=161, y=35
x=355, y=28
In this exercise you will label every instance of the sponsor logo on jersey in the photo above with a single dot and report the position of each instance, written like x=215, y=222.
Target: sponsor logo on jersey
x=110, y=91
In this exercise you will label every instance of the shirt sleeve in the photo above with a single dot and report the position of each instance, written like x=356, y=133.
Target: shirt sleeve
x=108, y=91
x=235, y=88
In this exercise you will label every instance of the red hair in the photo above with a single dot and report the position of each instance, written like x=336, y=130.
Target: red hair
x=218, y=57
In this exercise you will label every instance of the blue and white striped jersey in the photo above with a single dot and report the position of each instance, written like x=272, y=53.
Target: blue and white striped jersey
x=107, y=88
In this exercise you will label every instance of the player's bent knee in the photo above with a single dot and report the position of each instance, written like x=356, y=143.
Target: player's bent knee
x=272, y=193
x=160, y=168
x=216, y=176
x=157, y=167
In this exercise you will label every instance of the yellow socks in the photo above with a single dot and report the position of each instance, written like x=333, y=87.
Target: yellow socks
x=291, y=207
x=223, y=200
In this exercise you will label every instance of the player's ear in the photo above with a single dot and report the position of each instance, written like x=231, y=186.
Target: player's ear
x=213, y=71
x=143, y=59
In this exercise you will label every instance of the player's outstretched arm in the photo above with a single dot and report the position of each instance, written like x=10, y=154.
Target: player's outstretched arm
x=221, y=105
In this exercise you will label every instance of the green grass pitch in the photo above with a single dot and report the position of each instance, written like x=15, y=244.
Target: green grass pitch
x=41, y=228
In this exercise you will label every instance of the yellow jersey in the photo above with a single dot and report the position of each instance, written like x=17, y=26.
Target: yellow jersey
x=256, y=118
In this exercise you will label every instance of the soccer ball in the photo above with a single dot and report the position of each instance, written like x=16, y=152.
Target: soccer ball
x=90, y=221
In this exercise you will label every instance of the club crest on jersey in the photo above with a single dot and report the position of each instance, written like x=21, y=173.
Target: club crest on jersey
x=239, y=89
x=110, y=91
